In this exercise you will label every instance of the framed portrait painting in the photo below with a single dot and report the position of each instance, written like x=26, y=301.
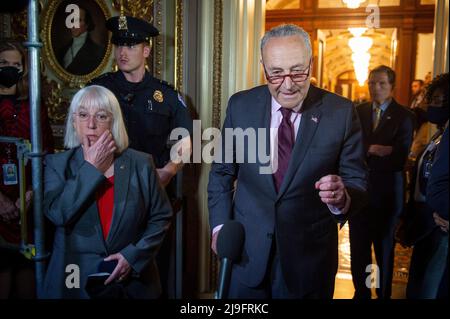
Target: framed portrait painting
x=76, y=42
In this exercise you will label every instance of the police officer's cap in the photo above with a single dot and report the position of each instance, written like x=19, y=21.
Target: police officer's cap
x=128, y=30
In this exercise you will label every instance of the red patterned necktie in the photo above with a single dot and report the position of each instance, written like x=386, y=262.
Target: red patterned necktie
x=286, y=142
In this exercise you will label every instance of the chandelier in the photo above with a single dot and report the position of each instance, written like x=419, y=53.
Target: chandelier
x=361, y=57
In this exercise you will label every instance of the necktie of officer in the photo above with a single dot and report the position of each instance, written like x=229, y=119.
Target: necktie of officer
x=286, y=142
x=376, y=120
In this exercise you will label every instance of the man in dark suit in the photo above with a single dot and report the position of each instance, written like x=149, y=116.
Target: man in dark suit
x=288, y=203
x=387, y=131
x=82, y=55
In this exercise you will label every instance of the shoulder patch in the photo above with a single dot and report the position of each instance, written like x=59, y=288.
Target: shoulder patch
x=180, y=98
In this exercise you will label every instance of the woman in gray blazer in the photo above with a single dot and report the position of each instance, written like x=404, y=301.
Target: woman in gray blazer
x=107, y=205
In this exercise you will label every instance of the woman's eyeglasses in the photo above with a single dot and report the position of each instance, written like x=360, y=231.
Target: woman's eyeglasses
x=99, y=117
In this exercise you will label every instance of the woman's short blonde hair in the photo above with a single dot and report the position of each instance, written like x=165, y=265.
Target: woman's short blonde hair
x=96, y=97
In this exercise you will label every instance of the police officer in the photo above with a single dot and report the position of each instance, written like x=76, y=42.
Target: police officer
x=151, y=110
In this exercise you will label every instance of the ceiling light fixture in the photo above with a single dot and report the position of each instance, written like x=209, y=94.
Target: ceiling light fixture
x=353, y=4
x=361, y=57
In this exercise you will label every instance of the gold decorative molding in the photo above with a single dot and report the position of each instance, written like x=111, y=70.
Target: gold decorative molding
x=217, y=96
x=19, y=23
x=55, y=100
x=179, y=45
x=217, y=62
x=139, y=9
x=48, y=53
x=158, y=43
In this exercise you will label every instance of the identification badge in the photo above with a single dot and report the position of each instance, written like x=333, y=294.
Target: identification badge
x=158, y=96
x=9, y=174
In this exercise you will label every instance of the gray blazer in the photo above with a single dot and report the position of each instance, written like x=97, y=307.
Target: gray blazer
x=329, y=141
x=141, y=217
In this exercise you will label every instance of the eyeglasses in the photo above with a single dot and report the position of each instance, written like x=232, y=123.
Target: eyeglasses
x=99, y=117
x=297, y=76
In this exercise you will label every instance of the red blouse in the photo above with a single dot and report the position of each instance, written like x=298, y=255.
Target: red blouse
x=105, y=204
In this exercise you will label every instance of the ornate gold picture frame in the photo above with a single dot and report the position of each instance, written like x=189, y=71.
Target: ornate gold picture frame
x=76, y=55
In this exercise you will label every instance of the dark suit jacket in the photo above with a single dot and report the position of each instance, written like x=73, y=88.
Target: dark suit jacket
x=86, y=60
x=437, y=188
x=141, y=217
x=396, y=128
x=329, y=141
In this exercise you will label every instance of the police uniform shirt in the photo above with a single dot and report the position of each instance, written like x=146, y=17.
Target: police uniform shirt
x=151, y=110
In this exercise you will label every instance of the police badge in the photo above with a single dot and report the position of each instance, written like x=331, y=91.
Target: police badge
x=158, y=96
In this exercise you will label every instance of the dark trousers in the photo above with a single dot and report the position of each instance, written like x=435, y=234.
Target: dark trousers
x=428, y=265
x=165, y=259
x=274, y=285
x=376, y=225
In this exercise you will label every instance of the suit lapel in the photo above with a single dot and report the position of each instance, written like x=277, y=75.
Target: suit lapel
x=308, y=126
x=122, y=171
x=75, y=164
x=76, y=161
x=387, y=116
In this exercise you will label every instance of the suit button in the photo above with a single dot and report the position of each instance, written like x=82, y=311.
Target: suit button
x=270, y=235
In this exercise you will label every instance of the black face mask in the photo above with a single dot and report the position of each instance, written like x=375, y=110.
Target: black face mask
x=437, y=115
x=9, y=76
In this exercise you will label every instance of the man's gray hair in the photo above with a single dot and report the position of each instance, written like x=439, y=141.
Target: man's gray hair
x=96, y=98
x=286, y=30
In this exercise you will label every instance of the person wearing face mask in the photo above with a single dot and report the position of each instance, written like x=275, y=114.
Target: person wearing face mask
x=422, y=229
x=16, y=272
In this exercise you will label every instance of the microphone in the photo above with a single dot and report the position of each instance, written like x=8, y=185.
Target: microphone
x=229, y=249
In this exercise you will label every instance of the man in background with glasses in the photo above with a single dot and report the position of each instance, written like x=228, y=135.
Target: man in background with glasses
x=318, y=176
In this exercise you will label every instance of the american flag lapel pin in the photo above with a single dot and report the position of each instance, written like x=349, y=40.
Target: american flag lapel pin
x=315, y=119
